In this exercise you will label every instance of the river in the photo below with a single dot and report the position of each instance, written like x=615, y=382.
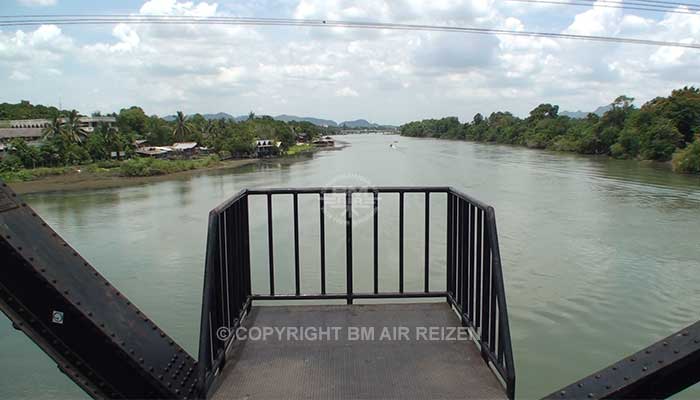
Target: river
x=601, y=257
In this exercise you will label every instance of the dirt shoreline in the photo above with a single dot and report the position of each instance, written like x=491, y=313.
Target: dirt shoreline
x=86, y=180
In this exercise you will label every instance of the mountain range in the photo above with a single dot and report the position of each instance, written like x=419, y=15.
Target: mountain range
x=358, y=123
x=582, y=114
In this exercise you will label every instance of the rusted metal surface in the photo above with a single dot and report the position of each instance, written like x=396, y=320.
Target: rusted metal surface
x=92, y=331
x=657, y=372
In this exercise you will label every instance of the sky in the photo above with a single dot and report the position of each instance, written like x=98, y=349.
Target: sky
x=389, y=77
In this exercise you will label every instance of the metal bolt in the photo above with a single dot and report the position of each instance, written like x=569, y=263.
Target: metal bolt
x=626, y=378
x=645, y=369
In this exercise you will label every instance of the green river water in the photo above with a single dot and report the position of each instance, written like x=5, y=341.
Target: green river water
x=601, y=257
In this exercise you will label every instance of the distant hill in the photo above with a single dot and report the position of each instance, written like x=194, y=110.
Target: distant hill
x=359, y=123
x=315, y=121
x=583, y=114
x=221, y=115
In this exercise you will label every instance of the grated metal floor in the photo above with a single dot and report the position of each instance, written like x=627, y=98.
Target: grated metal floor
x=301, y=368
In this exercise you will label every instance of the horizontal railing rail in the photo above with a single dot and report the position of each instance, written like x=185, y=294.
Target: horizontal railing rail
x=474, y=279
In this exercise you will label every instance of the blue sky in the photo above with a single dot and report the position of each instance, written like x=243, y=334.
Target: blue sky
x=388, y=77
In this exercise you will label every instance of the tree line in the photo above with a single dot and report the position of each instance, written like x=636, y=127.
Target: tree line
x=663, y=129
x=65, y=143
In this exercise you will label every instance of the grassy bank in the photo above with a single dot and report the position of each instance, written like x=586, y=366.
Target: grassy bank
x=152, y=167
x=300, y=149
x=137, y=167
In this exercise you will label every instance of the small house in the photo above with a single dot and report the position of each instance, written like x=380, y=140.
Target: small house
x=187, y=149
x=267, y=148
x=154, y=152
x=326, y=141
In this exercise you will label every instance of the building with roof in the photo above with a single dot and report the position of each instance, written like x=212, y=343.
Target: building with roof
x=87, y=123
x=267, y=148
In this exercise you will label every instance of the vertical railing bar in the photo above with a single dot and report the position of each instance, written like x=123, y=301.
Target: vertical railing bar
x=448, y=242
x=246, y=248
x=222, y=263
x=461, y=246
x=470, y=285
x=270, y=244
x=297, y=279
x=348, y=248
x=487, y=318
x=427, y=242
x=478, y=267
x=375, y=196
x=400, y=242
x=323, y=242
x=238, y=276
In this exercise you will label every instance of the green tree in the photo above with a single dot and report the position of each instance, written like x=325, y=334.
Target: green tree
x=73, y=132
x=132, y=120
x=687, y=161
x=183, y=129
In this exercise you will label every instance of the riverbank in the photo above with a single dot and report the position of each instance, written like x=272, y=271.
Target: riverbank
x=76, y=178
x=135, y=171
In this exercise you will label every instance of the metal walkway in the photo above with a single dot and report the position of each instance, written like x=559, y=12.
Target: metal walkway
x=344, y=365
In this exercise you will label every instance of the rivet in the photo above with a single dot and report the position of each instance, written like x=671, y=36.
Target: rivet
x=661, y=361
x=676, y=351
x=19, y=248
x=626, y=378
x=562, y=393
x=597, y=376
x=31, y=258
x=645, y=369
x=89, y=313
x=580, y=385
x=160, y=377
x=685, y=333
x=633, y=359
x=608, y=387
x=590, y=395
x=648, y=351
x=665, y=343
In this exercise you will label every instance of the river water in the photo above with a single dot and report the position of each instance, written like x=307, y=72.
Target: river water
x=601, y=257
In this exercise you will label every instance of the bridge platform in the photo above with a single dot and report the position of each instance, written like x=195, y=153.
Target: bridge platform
x=337, y=366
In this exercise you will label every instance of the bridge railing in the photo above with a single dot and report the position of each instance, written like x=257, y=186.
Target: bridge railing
x=473, y=275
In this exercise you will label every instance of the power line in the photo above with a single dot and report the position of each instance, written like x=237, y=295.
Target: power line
x=248, y=21
x=648, y=3
x=611, y=4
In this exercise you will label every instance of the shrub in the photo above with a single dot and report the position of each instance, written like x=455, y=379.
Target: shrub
x=688, y=160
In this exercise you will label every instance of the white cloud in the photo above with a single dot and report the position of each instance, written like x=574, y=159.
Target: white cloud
x=41, y=3
x=210, y=68
x=19, y=76
x=346, y=92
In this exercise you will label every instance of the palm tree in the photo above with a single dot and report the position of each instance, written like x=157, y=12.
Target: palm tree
x=54, y=129
x=183, y=129
x=73, y=133
x=112, y=138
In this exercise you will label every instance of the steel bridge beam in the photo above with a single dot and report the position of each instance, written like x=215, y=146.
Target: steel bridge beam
x=657, y=372
x=93, y=332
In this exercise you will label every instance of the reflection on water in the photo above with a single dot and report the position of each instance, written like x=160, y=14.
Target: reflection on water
x=600, y=255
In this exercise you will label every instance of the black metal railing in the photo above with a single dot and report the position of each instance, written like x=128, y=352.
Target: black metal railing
x=474, y=279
